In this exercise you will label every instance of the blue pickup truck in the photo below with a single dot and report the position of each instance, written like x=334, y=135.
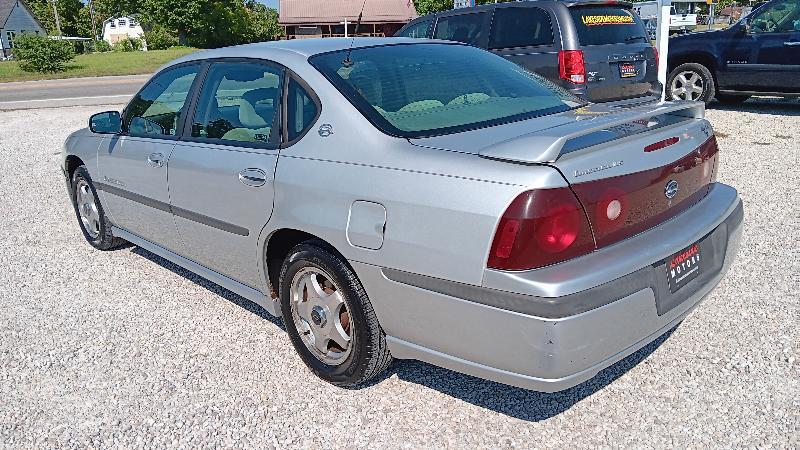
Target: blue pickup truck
x=759, y=55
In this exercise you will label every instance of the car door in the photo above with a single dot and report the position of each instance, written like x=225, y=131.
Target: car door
x=133, y=165
x=765, y=57
x=221, y=174
x=779, y=49
x=525, y=36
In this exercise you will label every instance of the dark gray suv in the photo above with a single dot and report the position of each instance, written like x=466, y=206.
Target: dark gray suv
x=596, y=49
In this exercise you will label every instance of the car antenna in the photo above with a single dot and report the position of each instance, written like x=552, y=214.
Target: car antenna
x=347, y=62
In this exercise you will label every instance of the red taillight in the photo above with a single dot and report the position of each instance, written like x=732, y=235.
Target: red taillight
x=539, y=228
x=655, y=52
x=571, y=66
x=642, y=203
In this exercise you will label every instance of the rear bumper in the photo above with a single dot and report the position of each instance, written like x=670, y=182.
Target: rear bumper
x=515, y=335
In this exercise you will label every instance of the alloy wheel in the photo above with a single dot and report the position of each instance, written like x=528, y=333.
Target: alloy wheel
x=687, y=85
x=87, y=208
x=321, y=316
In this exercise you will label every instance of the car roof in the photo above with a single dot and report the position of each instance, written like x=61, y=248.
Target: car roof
x=304, y=47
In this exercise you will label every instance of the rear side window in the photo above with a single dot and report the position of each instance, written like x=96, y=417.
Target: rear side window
x=302, y=110
x=467, y=28
x=417, y=30
x=520, y=27
x=600, y=25
x=239, y=103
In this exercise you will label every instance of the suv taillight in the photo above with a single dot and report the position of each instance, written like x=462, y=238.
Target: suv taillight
x=571, y=66
x=655, y=51
x=540, y=228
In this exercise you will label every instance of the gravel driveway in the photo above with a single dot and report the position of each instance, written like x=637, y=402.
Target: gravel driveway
x=125, y=349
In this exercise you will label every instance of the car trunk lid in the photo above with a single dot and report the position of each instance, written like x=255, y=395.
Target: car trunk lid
x=630, y=169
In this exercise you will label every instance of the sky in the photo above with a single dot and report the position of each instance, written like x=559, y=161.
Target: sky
x=270, y=3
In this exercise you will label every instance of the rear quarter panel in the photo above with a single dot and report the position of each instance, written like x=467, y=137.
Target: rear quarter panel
x=441, y=206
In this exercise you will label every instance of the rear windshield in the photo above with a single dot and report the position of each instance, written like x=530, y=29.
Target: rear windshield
x=600, y=25
x=416, y=90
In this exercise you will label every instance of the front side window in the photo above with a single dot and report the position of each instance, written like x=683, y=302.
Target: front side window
x=779, y=17
x=122, y=22
x=601, y=25
x=520, y=27
x=239, y=102
x=10, y=38
x=467, y=28
x=301, y=110
x=417, y=90
x=418, y=30
x=156, y=109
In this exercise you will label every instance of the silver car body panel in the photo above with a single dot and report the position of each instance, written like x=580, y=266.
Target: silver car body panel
x=426, y=207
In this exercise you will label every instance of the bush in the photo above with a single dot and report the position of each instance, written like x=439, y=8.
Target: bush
x=160, y=38
x=42, y=54
x=102, y=46
x=127, y=45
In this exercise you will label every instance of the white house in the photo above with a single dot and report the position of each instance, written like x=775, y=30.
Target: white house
x=15, y=18
x=117, y=28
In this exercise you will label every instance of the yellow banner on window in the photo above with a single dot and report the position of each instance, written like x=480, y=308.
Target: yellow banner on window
x=606, y=20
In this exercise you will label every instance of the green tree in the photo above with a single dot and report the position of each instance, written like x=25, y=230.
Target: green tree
x=68, y=14
x=263, y=22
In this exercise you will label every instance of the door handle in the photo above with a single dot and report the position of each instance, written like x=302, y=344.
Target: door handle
x=155, y=160
x=253, y=177
x=792, y=43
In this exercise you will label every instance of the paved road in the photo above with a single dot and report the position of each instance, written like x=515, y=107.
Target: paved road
x=69, y=92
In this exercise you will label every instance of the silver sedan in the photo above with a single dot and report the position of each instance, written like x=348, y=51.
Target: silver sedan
x=397, y=198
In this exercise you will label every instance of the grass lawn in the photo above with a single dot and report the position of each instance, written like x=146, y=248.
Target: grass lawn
x=99, y=64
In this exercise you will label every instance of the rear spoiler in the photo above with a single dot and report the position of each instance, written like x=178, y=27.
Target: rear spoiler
x=598, y=127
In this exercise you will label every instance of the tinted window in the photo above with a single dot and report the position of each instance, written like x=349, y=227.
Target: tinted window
x=779, y=17
x=156, y=109
x=239, y=102
x=520, y=27
x=426, y=89
x=599, y=25
x=417, y=30
x=301, y=110
x=467, y=28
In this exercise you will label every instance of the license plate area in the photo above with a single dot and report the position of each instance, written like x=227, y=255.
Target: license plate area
x=683, y=267
x=628, y=70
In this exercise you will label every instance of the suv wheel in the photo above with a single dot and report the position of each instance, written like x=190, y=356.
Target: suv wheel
x=329, y=317
x=92, y=218
x=690, y=81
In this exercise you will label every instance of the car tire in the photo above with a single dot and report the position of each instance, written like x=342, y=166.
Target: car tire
x=91, y=216
x=731, y=99
x=318, y=317
x=690, y=81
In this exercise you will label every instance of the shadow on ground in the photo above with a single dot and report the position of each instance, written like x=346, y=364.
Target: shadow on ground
x=762, y=105
x=508, y=400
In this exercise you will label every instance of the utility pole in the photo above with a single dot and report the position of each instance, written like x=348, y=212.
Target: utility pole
x=94, y=24
x=55, y=14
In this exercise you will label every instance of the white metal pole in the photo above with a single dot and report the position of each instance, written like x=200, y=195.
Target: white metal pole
x=662, y=43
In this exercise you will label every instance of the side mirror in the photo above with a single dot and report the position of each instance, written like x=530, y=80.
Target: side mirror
x=109, y=122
